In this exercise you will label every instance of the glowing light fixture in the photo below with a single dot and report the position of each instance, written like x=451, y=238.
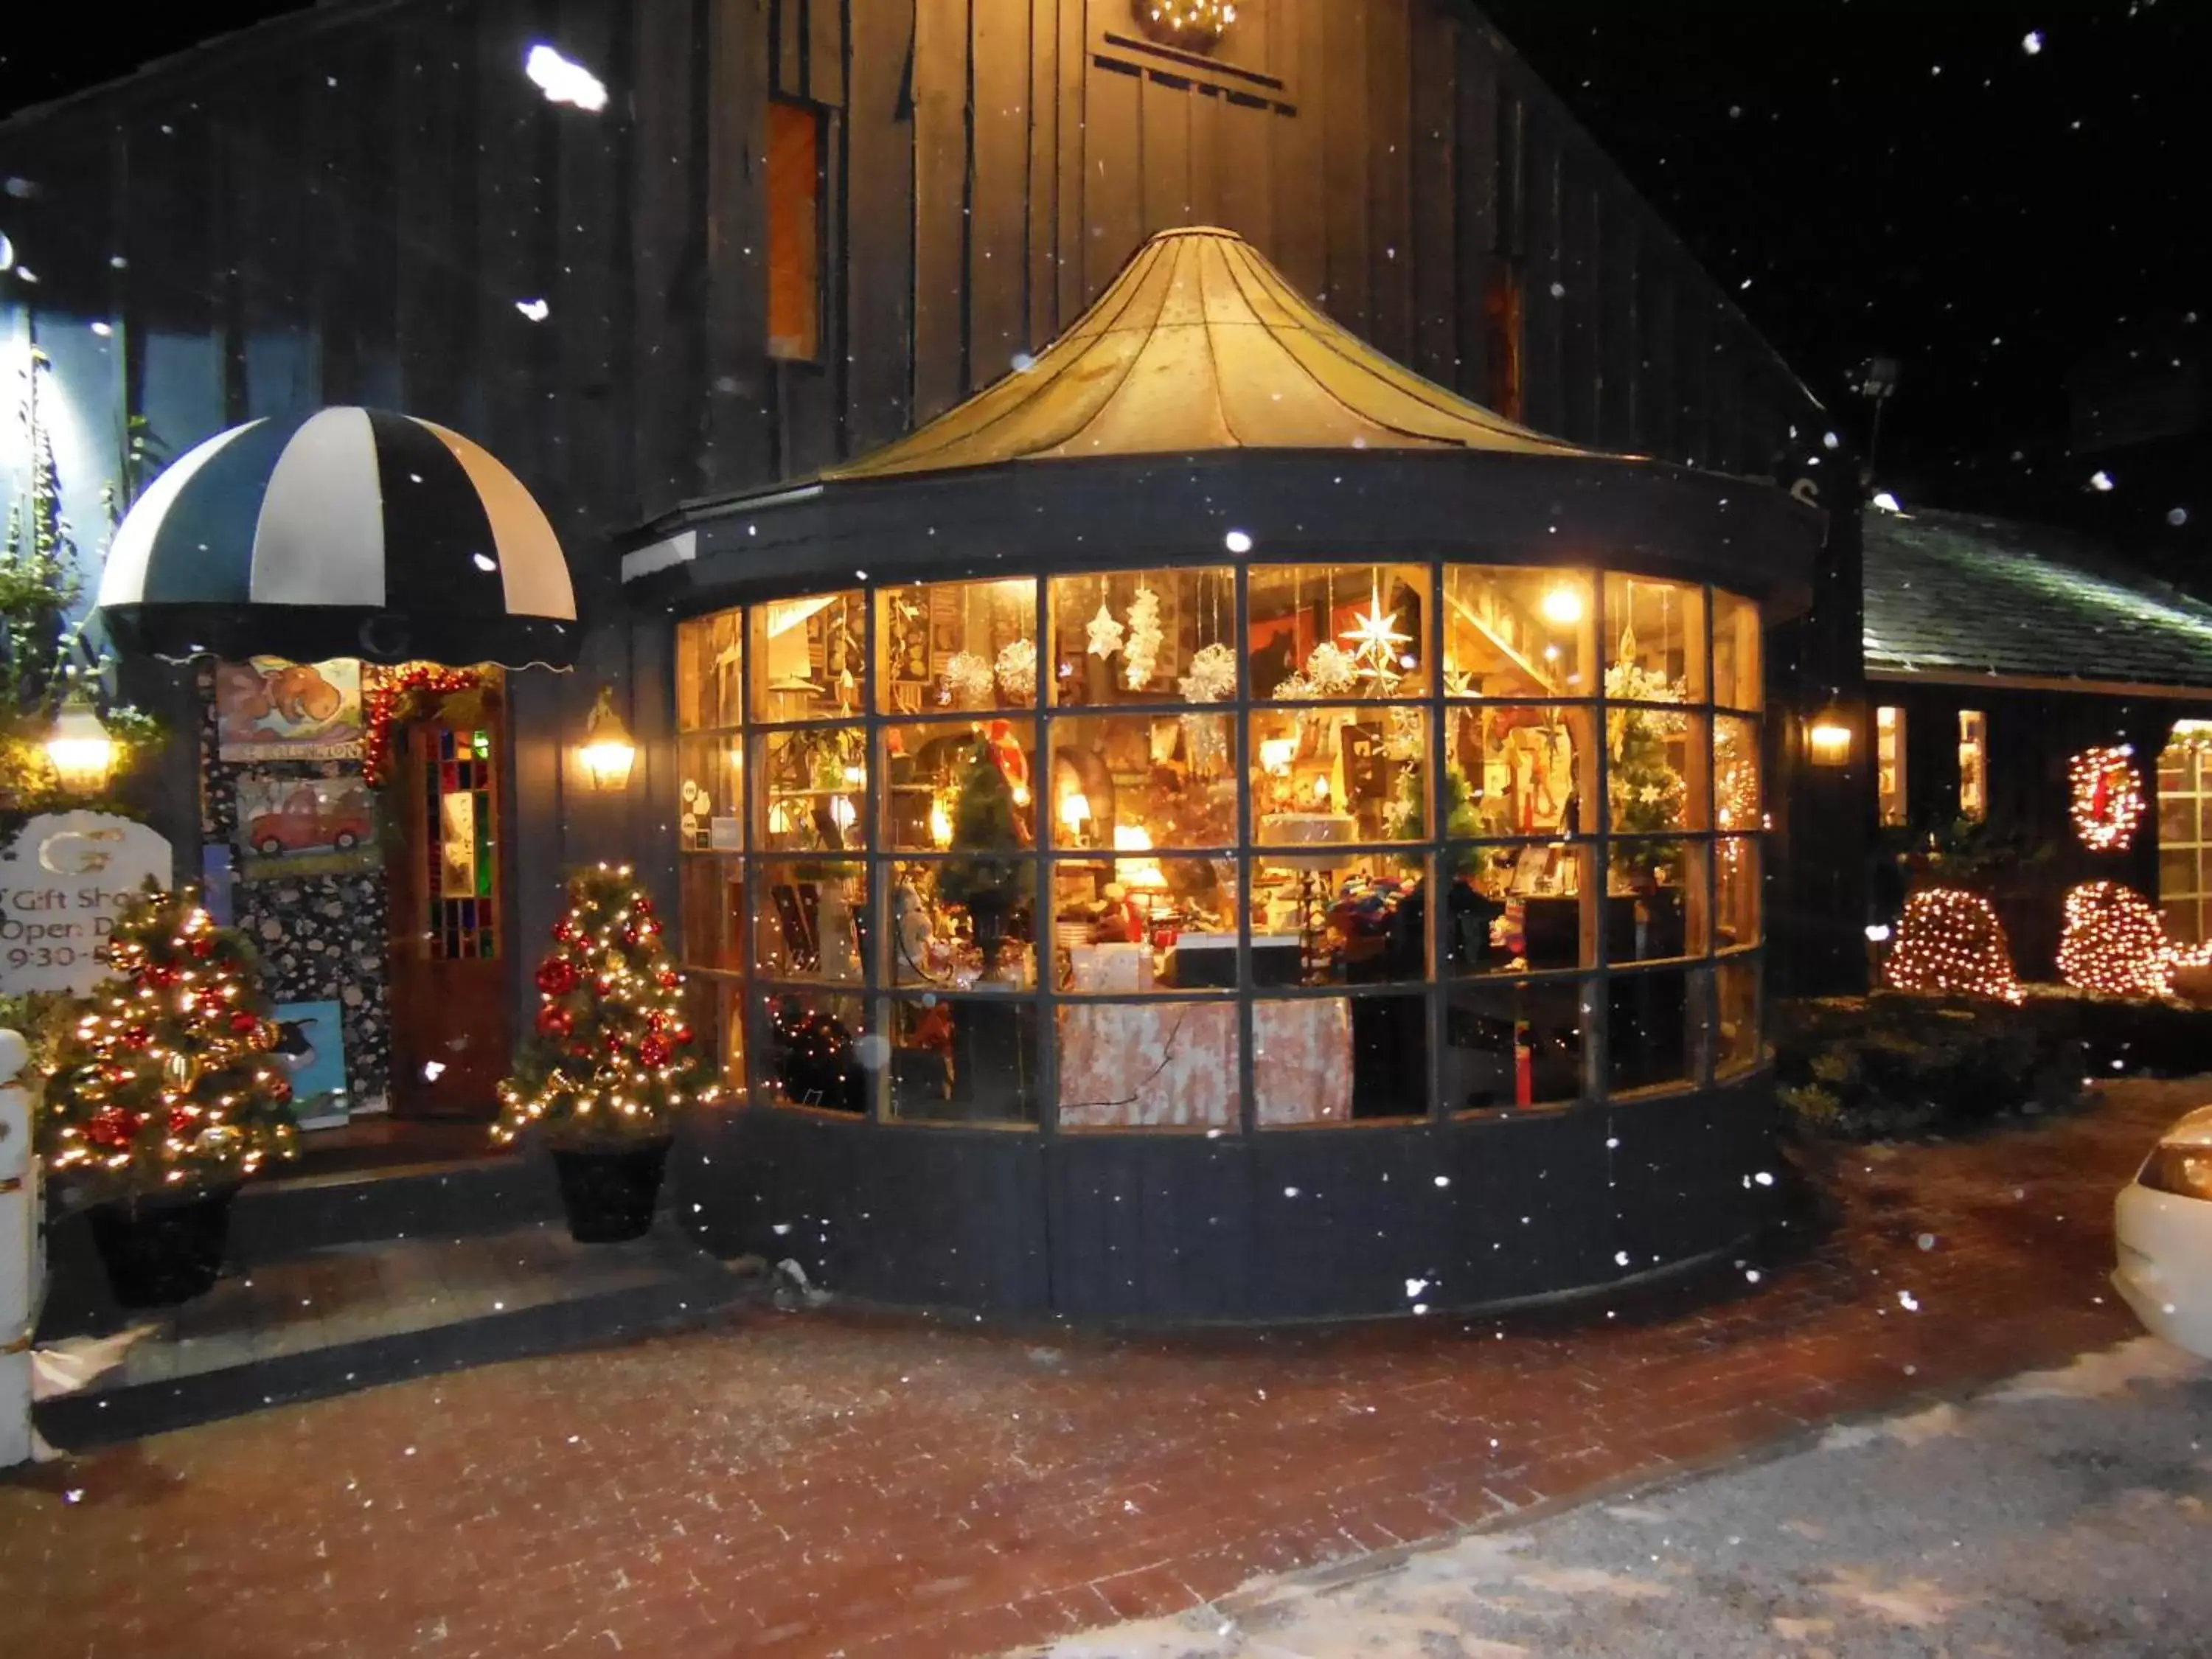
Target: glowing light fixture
x=608, y=751
x=1193, y=24
x=82, y=752
x=1276, y=753
x=1828, y=738
x=1562, y=606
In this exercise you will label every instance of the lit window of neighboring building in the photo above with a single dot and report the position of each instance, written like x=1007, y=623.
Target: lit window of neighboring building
x=1973, y=765
x=1889, y=762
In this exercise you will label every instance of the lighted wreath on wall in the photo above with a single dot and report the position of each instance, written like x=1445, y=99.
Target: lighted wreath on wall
x=2108, y=797
x=1194, y=25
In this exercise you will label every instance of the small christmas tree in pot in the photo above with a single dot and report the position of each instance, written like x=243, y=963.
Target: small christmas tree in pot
x=164, y=1094
x=612, y=1060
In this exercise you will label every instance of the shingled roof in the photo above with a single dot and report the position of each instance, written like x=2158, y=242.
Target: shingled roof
x=1950, y=594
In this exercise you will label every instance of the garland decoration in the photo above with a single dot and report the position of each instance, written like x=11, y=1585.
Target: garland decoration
x=389, y=696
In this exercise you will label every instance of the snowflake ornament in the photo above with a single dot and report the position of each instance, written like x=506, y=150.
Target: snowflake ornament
x=967, y=681
x=1213, y=676
x=1016, y=671
x=1142, y=654
x=1105, y=633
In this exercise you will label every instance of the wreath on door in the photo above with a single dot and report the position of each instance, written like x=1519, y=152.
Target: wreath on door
x=2108, y=797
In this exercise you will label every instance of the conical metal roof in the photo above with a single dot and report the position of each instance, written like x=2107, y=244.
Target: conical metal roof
x=1200, y=345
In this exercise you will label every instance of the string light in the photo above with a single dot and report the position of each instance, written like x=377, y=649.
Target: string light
x=611, y=1040
x=2116, y=944
x=164, y=1079
x=1950, y=943
x=1187, y=23
x=384, y=695
x=2108, y=797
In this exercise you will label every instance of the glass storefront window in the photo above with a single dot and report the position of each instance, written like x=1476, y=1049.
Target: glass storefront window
x=951, y=646
x=963, y=920
x=1339, y=919
x=1529, y=769
x=814, y=1050
x=811, y=919
x=1736, y=1038
x=808, y=658
x=1354, y=630
x=813, y=791
x=1140, y=923
x=1735, y=892
x=1326, y=776
x=1139, y=636
x=1518, y=906
x=1144, y=780
x=968, y=785
x=1655, y=900
x=709, y=673
x=1156, y=856
x=1518, y=633
x=1656, y=769
x=714, y=914
x=963, y=1059
x=1514, y=1046
x=1737, y=674
x=711, y=800
x=1738, y=802
x=1656, y=640
x=1651, y=1031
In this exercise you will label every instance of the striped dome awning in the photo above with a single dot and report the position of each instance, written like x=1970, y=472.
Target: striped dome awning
x=347, y=532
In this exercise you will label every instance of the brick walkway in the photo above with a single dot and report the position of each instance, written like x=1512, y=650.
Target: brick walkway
x=823, y=1484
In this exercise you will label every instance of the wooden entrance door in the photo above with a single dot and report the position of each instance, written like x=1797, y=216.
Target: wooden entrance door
x=450, y=1033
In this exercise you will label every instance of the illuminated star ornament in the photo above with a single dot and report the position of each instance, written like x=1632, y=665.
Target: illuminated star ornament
x=1105, y=632
x=1374, y=639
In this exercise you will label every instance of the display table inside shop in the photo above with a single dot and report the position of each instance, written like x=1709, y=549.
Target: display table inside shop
x=1126, y=1065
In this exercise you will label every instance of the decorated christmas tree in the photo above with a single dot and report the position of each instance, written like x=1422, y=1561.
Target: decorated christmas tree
x=166, y=1080
x=983, y=823
x=611, y=1060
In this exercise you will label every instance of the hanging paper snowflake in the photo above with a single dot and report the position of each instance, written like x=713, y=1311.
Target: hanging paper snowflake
x=2108, y=797
x=1016, y=671
x=1332, y=669
x=1213, y=676
x=1105, y=632
x=967, y=681
x=1142, y=654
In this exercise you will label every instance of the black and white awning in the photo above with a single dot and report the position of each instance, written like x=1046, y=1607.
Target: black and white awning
x=347, y=532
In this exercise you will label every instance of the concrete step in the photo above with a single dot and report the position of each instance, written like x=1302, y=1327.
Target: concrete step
x=355, y=1314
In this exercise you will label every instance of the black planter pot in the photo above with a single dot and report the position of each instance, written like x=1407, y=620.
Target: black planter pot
x=162, y=1250
x=610, y=1195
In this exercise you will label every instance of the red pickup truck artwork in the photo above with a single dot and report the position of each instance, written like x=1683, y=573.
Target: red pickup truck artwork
x=305, y=821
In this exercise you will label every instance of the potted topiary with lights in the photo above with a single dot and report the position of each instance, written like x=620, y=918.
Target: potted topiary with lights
x=612, y=1060
x=163, y=1095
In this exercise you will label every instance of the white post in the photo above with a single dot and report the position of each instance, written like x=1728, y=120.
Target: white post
x=22, y=1270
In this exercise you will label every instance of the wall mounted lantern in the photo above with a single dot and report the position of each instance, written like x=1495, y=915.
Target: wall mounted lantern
x=1828, y=737
x=82, y=752
x=608, y=751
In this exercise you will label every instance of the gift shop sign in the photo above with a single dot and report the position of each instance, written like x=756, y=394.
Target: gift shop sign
x=64, y=879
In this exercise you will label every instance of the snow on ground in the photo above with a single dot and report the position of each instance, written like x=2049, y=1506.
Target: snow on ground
x=2067, y=1512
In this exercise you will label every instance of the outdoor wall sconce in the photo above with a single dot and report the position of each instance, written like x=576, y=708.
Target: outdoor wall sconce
x=608, y=751
x=1828, y=738
x=82, y=752
x=1194, y=25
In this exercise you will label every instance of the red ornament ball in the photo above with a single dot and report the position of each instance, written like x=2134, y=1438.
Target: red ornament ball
x=642, y=905
x=112, y=1126
x=668, y=979
x=653, y=1053
x=614, y=1045
x=162, y=978
x=630, y=936
x=279, y=1090
x=202, y=947
x=682, y=1034
x=554, y=1020
x=557, y=977
x=180, y=1121
x=136, y=1036
x=244, y=1022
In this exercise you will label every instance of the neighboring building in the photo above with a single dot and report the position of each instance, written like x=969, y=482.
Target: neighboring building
x=1995, y=652
x=760, y=240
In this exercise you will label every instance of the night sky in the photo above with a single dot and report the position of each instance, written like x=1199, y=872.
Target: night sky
x=1990, y=191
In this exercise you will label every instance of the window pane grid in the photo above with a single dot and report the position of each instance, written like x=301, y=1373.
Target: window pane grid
x=1679, y=860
